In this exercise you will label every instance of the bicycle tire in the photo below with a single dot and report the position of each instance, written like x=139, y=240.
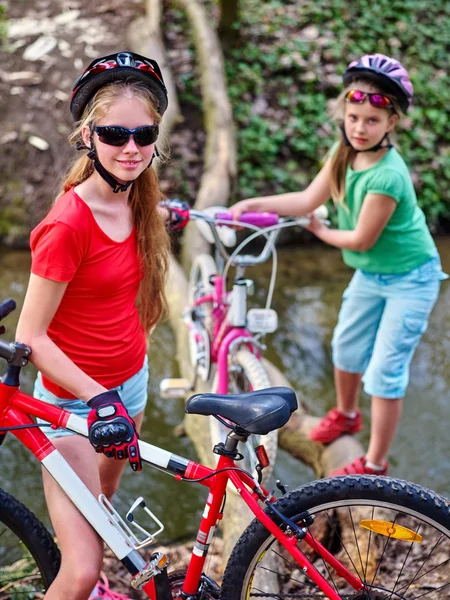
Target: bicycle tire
x=405, y=569
x=254, y=373
x=203, y=267
x=26, y=547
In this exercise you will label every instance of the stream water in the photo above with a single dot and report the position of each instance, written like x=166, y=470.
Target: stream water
x=309, y=287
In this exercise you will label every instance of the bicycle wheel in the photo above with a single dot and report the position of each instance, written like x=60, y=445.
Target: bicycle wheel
x=392, y=535
x=245, y=374
x=200, y=284
x=200, y=323
x=29, y=558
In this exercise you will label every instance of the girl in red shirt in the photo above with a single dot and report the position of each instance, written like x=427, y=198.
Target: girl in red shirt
x=99, y=261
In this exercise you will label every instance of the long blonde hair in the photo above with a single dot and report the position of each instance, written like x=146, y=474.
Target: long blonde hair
x=344, y=154
x=152, y=238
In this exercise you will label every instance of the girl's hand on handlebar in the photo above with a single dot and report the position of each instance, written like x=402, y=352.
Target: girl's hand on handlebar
x=111, y=430
x=315, y=226
x=240, y=207
x=176, y=212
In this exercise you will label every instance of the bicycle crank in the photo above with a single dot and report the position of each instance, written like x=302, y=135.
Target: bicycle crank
x=209, y=590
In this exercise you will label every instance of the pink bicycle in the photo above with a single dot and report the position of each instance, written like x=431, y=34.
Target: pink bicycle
x=225, y=337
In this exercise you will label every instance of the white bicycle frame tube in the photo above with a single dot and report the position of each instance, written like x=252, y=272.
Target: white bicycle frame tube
x=149, y=453
x=86, y=502
x=90, y=507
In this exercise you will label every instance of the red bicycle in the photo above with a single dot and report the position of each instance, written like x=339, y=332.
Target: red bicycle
x=352, y=538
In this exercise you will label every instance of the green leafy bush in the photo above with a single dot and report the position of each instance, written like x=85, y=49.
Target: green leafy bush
x=289, y=66
x=3, y=24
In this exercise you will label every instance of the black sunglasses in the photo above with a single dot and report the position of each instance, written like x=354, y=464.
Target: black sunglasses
x=113, y=135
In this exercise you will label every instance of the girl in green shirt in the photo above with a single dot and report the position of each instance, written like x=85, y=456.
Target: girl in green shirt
x=384, y=237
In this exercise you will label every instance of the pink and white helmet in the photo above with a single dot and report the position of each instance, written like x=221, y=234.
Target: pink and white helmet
x=384, y=71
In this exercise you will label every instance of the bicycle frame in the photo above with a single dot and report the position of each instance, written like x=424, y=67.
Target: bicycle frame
x=224, y=334
x=229, y=318
x=16, y=409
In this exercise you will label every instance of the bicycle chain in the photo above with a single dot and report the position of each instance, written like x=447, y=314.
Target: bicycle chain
x=309, y=595
x=291, y=595
x=284, y=596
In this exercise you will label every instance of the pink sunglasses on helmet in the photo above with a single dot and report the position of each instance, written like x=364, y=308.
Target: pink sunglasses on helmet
x=376, y=100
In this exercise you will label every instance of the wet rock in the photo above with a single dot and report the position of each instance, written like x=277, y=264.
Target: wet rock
x=22, y=78
x=42, y=46
x=61, y=96
x=310, y=33
x=38, y=143
x=20, y=28
x=65, y=49
x=64, y=18
x=16, y=90
x=9, y=137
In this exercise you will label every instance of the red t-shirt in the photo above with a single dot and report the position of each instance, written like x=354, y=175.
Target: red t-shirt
x=97, y=323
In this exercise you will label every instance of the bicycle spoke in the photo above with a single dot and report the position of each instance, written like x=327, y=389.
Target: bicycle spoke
x=326, y=566
x=404, y=563
x=19, y=576
x=383, y=553
x=405, y=588
x=434, y=590
x=292, y=564
x=387, y=552
x=368, y=549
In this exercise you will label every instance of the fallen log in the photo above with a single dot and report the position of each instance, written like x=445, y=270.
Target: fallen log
x=217, y=179
x=219, y=172
x=144, y=37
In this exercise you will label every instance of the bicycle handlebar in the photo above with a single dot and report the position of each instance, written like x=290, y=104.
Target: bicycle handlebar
x=267, y=224
x=7, y=349
x=258, y=219
x=6, y=307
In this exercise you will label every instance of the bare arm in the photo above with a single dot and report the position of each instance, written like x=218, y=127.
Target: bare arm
x=293, y=204
x=41, y=302
x=375, y=213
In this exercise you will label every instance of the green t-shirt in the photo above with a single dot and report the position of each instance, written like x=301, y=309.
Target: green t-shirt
x=405, y=242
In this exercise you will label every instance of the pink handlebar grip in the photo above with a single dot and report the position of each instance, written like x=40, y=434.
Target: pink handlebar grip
x=252, y=218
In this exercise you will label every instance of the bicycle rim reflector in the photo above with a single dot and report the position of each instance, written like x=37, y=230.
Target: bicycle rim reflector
x=391, y=530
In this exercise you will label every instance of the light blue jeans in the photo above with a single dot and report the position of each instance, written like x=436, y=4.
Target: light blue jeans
x=133, y=394
x=381, y=321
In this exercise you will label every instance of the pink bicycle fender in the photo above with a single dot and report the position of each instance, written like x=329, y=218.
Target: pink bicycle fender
x=264, y=219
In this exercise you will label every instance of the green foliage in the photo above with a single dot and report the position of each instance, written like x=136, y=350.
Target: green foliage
x=289, y=65
x=3, y=24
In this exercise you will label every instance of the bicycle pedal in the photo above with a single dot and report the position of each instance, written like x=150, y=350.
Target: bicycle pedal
x=174, y=388
x=155, y=567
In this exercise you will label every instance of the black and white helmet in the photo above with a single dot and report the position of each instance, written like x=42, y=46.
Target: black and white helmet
x=117, y=67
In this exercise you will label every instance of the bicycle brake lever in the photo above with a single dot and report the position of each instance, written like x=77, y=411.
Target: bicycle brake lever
x=283, y=488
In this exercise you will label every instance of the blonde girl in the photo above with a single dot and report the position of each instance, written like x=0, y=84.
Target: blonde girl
x=384, y=238
x=99, y=260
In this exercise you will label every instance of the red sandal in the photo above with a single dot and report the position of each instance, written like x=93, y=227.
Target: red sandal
x=335, y=424
x=359, y=467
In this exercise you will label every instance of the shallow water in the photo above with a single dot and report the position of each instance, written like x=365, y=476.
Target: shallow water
x=310, y=283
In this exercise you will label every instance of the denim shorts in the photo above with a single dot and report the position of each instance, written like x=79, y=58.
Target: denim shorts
x=381, y=321
x=133, y=394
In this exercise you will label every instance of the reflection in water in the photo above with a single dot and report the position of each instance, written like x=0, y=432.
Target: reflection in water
x=307, y=298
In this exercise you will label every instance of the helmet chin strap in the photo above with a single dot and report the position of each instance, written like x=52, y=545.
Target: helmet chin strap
x=378, y=146
x=106, y=175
